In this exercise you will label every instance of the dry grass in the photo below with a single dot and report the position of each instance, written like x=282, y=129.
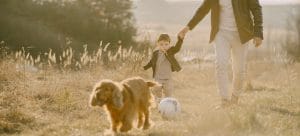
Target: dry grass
x=55, y=102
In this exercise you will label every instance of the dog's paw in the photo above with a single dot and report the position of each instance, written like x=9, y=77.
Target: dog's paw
x=146, y=126
x=125, y=129
x=140, y=124
x=109, y=132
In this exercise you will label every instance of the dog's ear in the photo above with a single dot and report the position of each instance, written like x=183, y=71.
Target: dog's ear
x=93, y=98
x=152, y=83
x=117, y=97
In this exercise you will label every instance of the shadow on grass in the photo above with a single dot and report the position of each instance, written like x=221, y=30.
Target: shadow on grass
x=250, y=88
x=284, y=111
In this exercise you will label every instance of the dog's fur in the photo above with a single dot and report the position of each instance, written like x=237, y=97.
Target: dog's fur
x=124, y=101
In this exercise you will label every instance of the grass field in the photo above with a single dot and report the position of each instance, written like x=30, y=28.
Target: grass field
x=43, y=97
x=54, y=102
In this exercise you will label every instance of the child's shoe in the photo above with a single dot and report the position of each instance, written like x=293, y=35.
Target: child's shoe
x=224, y=104
x=234, y=99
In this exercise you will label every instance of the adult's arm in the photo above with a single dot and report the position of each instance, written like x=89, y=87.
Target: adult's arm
x=200, y=14
x=256, y=11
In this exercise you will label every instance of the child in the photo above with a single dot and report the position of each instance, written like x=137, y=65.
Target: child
x=163, y=63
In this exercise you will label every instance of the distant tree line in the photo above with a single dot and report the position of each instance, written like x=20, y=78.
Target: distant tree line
x=58, y=24
x=292, y=43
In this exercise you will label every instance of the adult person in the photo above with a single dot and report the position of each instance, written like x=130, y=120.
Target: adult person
x=233, y=24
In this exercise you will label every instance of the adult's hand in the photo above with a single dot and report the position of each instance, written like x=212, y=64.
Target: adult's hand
x=183, y=32
x=257, y=41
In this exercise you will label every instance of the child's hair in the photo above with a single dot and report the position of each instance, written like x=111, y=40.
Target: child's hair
x=164, y=37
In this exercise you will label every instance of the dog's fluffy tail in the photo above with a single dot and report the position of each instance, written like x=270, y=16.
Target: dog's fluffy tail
x=152, y=83
x=152, y=97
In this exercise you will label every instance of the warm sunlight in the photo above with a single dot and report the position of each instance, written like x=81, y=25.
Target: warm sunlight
x=149, y=67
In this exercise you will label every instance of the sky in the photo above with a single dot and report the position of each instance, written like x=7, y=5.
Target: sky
x=273, y=2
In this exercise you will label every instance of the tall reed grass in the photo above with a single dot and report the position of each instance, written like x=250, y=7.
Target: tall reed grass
x=69, y=59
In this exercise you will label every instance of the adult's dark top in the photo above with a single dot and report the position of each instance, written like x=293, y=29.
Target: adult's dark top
x=248, y=17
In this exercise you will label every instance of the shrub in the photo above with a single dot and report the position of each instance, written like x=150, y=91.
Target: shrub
x=39, y=25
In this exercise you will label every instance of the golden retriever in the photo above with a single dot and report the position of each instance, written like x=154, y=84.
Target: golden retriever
x=124, y=102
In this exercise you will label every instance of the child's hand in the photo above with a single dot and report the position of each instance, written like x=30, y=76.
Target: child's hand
x=179, y=38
